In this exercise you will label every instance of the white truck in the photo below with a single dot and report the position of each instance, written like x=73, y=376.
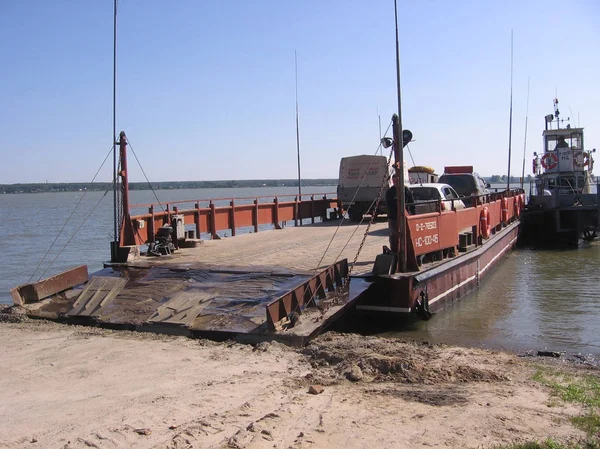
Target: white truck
x=360, y=182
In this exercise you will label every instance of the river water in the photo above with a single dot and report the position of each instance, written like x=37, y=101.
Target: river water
x=534, y=300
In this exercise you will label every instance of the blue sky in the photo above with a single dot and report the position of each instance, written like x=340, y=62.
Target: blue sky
x=206, y=89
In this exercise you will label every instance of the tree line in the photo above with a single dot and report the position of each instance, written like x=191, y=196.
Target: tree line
x=104, y=186
x=495, y=179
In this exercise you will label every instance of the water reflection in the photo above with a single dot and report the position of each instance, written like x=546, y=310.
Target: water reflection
x=534, y=300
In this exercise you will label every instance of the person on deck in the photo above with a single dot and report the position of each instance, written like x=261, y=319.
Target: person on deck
x=562, y=143
x=391, y=199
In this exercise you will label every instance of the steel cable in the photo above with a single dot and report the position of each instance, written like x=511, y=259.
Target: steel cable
x=76, y=231
x=147, y=180
x=66, y=222
x=351, y=202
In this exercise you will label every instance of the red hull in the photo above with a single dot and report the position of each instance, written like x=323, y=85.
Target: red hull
x=442, y=284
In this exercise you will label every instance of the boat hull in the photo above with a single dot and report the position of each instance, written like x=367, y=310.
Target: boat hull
x=435, y=288
x=559, y=225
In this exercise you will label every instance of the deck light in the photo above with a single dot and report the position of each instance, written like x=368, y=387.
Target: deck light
x=386, y=142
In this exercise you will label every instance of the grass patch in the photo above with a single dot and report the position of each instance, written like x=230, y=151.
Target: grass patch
x=551, y=444
x=582, y=389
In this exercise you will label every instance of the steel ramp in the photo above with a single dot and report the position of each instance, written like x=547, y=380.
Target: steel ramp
x=262, y=303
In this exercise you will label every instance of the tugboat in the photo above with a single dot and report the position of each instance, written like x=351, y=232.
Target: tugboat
x=564, y=201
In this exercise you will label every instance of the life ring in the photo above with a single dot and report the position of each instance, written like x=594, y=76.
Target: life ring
x=517, y=205
x=504, y=207
x=485, y=228
x=582, y=160
x=549, y=161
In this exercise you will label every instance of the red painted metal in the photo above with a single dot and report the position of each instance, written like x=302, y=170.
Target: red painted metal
x=123, y=173
x=232, y=217
x=28, y=293
x=459, y=169
x=436, y=231
x=304, y=295
x=126, y=230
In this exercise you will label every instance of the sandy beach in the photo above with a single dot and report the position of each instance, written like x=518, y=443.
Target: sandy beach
x=80, y=387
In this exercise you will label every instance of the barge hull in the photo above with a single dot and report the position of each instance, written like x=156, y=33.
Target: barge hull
x=441, y=285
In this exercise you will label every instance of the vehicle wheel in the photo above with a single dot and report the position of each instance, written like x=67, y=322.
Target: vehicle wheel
x=355, y=214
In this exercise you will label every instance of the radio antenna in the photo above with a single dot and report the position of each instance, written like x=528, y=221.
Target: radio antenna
x=511, y=108
x=525, y=144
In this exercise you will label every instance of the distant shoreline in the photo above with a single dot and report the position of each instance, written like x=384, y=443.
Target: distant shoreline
x=166, y=185
x=174, y=185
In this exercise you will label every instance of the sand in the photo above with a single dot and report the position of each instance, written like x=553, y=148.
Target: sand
x=80, y=387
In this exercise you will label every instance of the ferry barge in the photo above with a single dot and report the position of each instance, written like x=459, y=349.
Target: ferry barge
x=287, y=284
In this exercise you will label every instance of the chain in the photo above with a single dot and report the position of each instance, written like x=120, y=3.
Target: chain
x=385, y=179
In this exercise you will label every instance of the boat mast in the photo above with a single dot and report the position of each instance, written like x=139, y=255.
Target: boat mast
x=511, y=108
x=114, y=246
x=398, y=154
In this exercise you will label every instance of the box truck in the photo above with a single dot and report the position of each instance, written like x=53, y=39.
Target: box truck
x=359, y=184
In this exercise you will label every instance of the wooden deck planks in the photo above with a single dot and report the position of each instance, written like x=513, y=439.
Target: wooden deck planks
x=98, y=293
x=297, y=249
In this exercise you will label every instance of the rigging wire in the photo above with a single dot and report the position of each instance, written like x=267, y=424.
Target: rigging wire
x=374, y=206
x=147, y=180
x=352, y=202
x=66, y=222
x=76, y=231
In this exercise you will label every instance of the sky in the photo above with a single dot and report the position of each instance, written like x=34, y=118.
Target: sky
x=206, y=90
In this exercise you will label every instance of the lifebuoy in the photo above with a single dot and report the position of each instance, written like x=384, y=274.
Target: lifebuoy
x=485, y=228
x=504, y=206
x=549, y=161
x=582, y=160
x=517, y=205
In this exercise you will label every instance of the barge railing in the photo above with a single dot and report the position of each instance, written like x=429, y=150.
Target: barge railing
x=210, y=216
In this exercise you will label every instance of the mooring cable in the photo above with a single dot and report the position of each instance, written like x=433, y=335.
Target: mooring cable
x=147, y=180
x=375, y=205
x=351, y=202
x=76, y=231
x=68, y=219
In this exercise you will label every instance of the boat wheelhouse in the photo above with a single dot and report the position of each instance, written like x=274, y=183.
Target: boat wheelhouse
x=563, y=201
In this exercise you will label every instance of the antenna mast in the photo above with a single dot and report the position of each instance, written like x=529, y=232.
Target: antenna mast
x=525, y=144
x=114, y=246
x=398, y=148
x=297, y=128
x=511, y=107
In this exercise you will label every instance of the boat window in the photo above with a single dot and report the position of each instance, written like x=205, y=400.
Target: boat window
x=567, y=181
x=573, y=141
